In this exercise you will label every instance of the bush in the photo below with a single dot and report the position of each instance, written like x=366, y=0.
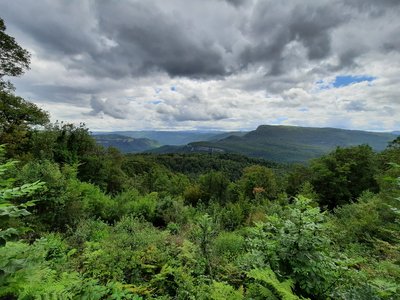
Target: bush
x=132, y=252
x=228, y=245
x=258, y=180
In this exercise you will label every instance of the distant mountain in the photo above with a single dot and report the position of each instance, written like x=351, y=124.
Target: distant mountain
x=224, y=135
x=126, y=144
x=286, y=143
x=176, y=137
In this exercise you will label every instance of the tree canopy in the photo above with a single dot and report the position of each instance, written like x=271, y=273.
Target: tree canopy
x=342, y=175
x=14, y=60
x=17, y=116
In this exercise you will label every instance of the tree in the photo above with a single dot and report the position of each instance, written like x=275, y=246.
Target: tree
x=17, y=116
x=258, y=180
x=214, y=185
x=341, y=176
x=395, y=144
x=296, y=178
x=13, y=58
x=390, y=155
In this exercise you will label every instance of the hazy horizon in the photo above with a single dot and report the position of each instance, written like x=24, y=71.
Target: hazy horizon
x=221, y=130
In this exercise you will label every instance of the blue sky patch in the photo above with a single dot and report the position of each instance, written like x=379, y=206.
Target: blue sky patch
x=279, y=120
x=345, y=80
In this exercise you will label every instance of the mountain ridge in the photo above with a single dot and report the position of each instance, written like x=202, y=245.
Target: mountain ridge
x=287, y=143
x=125, y=144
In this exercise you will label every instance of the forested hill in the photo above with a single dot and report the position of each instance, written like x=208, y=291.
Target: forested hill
x=290, y=143
x=176, y=137
x=126, y=144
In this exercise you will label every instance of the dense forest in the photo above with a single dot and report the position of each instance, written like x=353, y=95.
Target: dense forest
x=79, y=221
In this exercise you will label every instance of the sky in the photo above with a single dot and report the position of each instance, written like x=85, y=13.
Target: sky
x=211, y=64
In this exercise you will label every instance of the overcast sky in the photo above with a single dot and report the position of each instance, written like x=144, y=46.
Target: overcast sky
x=211, y=64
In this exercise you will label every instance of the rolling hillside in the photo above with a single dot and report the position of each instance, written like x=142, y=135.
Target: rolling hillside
x=126, y=144
x=171, y=137
x=287, y=143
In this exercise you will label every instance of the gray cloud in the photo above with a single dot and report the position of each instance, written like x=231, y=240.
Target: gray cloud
x=191, y=109
x=149, y=39
x=274, y=25
x=63, y=28
x=371, y=7
x=114, y=108
x=120, y=39
x=62, y=93
x=124, y=39
x=236, y=2
x=356, y=105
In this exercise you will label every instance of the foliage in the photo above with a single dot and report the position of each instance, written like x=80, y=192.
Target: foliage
x=269, y=286
x=296, y=177
x=203, y=234
x=344, y=174
x=214, y=185
x=193, y=194
x=65, y=143
x=8, y=193
x=156, y=245
x=222, y=291
x=232, y=215
x=228, y=245
x=295, y=244
x=195, y=164
x=202, y=237
x=132, y=251
x=395, y=144
x=17, y=116
x=359, y=221
x=13, y=58
x=258, y=180
x=36, y=271
x=27, y=274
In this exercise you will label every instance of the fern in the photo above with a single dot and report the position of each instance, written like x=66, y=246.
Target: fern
x=281, y=290
x=7, y=193
x=222, y=291
x=26, y=274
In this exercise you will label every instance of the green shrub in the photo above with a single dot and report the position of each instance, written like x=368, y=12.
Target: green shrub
x=267, y=286
x=133, y=250
x=223, y=291
x=296, y=245
x=144, y=206
x=228, y=245
x=231, y=216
